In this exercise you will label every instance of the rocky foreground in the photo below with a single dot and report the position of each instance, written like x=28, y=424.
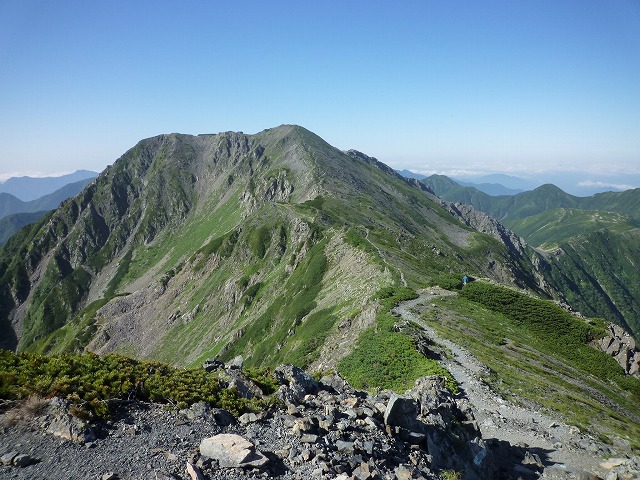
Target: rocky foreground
x=319, y=429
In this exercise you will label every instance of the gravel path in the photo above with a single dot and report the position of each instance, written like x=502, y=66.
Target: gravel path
x=564, y=448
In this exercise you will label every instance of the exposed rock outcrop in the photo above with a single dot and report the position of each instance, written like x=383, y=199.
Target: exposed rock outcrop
x=621, y=346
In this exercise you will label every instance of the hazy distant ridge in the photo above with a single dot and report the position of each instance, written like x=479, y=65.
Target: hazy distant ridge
x=32, y=188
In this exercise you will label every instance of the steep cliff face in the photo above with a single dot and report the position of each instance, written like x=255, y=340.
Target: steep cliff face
x=191, y=246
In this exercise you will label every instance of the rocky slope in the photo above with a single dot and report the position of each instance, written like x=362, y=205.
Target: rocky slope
x=254, y=244
x=322, y=429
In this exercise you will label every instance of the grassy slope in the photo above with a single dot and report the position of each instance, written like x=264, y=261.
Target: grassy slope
x=583, y=228
x=533, y=351
x=551, y=228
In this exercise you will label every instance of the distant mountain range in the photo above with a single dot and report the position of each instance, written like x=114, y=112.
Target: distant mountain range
x=594, y=241
x=32, y=188
x=578, y=184
x=489, y=184
x=16, y=213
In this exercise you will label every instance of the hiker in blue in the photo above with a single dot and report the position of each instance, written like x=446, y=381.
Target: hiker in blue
x=465, y=279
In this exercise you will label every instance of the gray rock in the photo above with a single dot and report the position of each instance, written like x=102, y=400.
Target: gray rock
x=7, y=458
x=346, y=447
x=246, y=418
x=65, y=425
x=402, y=412
x=430, y=392
x=222, y=417
x=197, y=410
x=234, y=378
x=194, y=472
x=236, y=363
x=231, y=450
x=309, y=438
x=213, y=365
x=296, y=377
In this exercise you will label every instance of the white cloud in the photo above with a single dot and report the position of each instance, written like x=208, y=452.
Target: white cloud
x=591, y=183
x=31, y=173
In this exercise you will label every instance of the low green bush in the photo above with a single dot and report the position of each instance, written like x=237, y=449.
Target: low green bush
x=90, y=381
x=386, y=359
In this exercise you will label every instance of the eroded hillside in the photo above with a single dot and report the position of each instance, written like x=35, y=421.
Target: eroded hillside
x=266, y=245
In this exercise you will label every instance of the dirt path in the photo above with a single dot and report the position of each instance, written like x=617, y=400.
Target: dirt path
x=381, y=255
x=564, y=449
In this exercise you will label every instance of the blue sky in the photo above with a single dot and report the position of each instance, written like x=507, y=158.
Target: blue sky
x=514, y=87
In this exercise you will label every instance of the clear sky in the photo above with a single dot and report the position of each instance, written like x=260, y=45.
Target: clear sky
x=432, y=86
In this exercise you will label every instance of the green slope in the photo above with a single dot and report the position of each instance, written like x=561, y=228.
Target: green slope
x=593, y=274
x=550, y=228
x=537, y=352
x=189, y=247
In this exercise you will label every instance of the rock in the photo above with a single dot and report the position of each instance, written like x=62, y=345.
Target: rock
x=612, y=462
x=334, y=382
x=403, y=472
x=236, y=363
x=302, y=425
x=309, y=438
x=621, y=346
x=430, y=392
x=623, y=358
x=297, y=379
x=234, y=378
x=532, y=459
x=65, y=425
x=194, y=472
x=110, y=476
x=222, y=417
x=247, y=418
x=213, y=365
x=197, y=410
x=231, y=450
x=7, y=458
x=402, y=412
x=346, y=447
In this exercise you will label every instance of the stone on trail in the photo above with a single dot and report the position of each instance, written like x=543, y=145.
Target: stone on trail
x=7, y=458
x=231, y=450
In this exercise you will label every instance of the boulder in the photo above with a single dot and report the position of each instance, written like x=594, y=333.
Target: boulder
x=430, y=393
x=232, y=451
x=194, y=472
x=64, y=425
x=234, y=378
x=23, y=460
x=235, y=363
x=402, y=412
x=294, y=376
x=213, y=365
x=7, y=458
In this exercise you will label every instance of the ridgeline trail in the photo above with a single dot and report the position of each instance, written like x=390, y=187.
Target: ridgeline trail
x=561, y=447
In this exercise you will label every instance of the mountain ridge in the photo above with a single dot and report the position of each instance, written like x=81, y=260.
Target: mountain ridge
x=593, y=261
x=117, y=230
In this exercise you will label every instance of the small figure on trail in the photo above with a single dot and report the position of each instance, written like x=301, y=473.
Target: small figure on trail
x=465, y=279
